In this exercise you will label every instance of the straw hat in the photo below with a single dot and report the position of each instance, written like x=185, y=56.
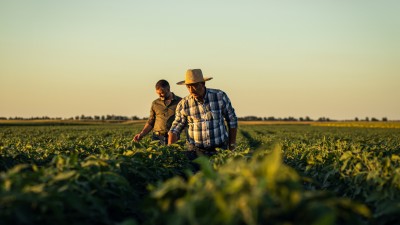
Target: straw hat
x=194, y=76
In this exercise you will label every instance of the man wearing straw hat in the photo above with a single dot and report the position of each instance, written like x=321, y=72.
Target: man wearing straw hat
x=204, y=111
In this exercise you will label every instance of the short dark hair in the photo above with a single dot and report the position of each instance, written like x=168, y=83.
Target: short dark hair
x=162, y=84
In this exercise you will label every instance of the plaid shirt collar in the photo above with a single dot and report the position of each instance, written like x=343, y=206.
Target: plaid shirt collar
x=191, y=97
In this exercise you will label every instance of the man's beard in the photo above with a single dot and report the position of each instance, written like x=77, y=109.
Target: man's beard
x=165, y=97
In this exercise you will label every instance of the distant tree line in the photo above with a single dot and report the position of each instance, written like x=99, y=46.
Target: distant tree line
x=81, y=118
x=245, y=118
x=272, y=118
x=306, y=119
x=105, y=117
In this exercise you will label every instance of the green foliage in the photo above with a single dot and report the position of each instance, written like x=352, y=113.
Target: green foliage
x=261, y=190
x=79, y=176
x=358, y=163
x=277, y=175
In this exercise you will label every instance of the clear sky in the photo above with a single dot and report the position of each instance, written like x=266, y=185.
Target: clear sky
x=336, y=59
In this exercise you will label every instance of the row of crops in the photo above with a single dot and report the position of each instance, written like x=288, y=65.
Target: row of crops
x=279, y=174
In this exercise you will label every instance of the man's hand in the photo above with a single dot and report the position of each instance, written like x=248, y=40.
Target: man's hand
x=137, y=137
x=147, y=128
x=172, y=138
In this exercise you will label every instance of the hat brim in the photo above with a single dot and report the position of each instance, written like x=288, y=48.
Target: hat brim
x=205, y=79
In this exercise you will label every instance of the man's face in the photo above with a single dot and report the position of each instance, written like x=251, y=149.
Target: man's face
x=163, y=93
x=196, y=90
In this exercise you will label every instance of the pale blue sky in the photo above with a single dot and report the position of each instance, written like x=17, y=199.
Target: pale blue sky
x=336, y=59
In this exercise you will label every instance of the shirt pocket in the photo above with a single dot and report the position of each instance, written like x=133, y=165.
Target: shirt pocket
x=194, y=119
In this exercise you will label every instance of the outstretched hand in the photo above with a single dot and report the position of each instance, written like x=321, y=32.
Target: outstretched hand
x=137, y=138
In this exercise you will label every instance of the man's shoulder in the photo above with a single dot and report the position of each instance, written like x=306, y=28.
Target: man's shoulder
x=186, y=98
x=176, y=97
x=185, y=101
x=215, y=91
x=156, y=101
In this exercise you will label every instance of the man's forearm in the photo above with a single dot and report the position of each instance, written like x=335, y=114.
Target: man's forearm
x=172, y=138
x=146, y=129
x=232, y=138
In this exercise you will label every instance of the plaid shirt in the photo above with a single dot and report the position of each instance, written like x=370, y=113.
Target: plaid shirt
x=205, y=120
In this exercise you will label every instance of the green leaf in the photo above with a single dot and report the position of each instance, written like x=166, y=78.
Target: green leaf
x=64, y=175
x=16, y=169
x=206, y=167
x=272, y=163
x=346, y=155
x=34, y=188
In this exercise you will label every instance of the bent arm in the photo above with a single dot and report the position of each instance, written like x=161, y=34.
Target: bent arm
x=231, y=119
x=148, y=126
x=146, y=129
x=178, y=124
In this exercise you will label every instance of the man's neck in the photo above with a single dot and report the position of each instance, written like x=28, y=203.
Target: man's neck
x=170, y=96
x=201, y=99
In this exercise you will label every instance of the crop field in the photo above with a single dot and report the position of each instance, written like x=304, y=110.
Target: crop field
x=279, y=174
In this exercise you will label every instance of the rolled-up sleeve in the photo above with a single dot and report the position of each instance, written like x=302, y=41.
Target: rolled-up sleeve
x=180, y=119
x=229, y=112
